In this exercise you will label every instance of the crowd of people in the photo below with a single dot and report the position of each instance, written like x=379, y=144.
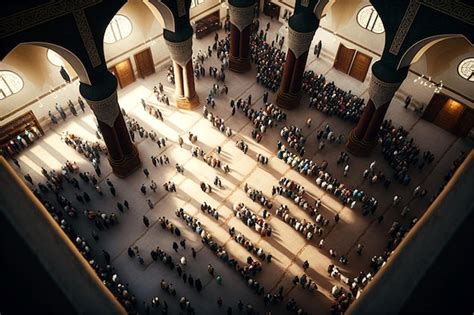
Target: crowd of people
x=268, y=59
x=331, y=100
x=397, y=148
x=251, y=219
x=400, y=151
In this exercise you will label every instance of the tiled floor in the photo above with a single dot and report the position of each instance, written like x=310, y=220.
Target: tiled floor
x=289, y=248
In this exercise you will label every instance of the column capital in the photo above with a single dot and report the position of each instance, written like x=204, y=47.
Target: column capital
x=106, y=110
x=241, y=17
x=299, y=42
x=181, y=52
x=381, y=92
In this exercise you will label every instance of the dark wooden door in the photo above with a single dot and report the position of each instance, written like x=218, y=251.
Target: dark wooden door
x=124, y=73
x=465, y=123
x=144, y=62
x=360, y=66
x=344, y=58
x=435, y=106
x=448, y=117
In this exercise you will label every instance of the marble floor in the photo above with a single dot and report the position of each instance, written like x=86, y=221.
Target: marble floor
x=289, y=248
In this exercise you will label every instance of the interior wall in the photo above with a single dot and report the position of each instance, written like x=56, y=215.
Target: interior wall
x=441, y=62
x=40, y=76
x=341, y=19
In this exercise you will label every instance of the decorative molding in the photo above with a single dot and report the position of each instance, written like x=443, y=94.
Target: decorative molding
x=404, y=26
x=298, y=42
x=241, y=17
x=106, y=110
x=87, y=38
x=26, y=19
x=181, y=52
x=453, y=8
x=381, y=92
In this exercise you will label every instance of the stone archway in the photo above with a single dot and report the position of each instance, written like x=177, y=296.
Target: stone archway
x=67, y=55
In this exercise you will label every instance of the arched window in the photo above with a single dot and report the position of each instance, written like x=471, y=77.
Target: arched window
x=10, y=83
x=119, y=28
x=369, y=19
x=54, y=58
x=466, y=69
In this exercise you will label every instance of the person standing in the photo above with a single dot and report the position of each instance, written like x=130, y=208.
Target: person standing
x=81, y=103
x=150, y=204
x=72, y=108
x=53, y=118
x=180, y=141
x=146, y=172
x=346, y=170
x=407, y=101
x=305, y=265
x=29, y=179
x=65, y=75
x=106, y=256
x=61, y=111
x=146, y=221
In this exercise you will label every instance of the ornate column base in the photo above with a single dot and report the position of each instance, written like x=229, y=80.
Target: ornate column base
x=359, y=147
x=239, y=65
x=288, y=100
x=187, y=103
x=127, y=165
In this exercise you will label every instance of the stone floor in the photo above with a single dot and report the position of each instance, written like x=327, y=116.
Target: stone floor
x=289, y=249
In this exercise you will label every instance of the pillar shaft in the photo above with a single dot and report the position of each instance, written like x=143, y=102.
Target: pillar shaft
x=375, y=123
x=123, y=156
x=363, y=123
x=241, y=16
x=185, y=92
x=289, y=93
x=178, y=79
x=298, y=71
x=287, y=72
x=363, y=138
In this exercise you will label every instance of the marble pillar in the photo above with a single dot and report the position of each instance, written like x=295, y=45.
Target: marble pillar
x=185, y=91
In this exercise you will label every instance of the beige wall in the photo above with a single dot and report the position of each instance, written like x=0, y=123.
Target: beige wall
x=40, y=76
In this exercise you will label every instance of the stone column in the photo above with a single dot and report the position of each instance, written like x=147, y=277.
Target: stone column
x=185, y=92
x=241, y=16
x=363, y=137
x=289, y=93
x=102, y=99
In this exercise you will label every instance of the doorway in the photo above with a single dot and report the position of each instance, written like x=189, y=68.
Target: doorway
x=352, y=62
x=123, y=71
x=344, y=58
x=449, y=114
x=144, y=62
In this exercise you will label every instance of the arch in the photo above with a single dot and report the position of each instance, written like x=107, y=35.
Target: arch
x=67, y=55
x=322, y=7
x=162, y=13
x=416, y=50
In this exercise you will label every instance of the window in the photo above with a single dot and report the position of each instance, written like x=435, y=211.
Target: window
x=466, y=69
x=10, y=83
x=119, y=28
x=54, y=58
x=369, y=19
x=195, y=3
